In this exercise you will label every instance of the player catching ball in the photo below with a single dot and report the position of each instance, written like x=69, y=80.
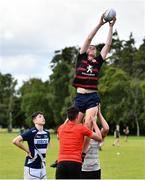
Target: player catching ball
x=87, y=73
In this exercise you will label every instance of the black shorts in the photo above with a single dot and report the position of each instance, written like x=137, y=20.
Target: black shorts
x=68, y=170
x=91, y=174
x=86, y=101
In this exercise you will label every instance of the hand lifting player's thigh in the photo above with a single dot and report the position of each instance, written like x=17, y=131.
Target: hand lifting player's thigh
x=90, y=113
x=80, y=116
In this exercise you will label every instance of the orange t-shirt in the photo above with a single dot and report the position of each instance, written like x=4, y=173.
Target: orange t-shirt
x=71, y=139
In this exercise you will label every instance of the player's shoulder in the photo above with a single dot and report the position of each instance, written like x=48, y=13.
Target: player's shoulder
x=84, y=128
x=62, y=126
x=99, y=57
x=82, y=55
x=46, y=130
x=28, y=134
x=80, y=126
x=33, y=130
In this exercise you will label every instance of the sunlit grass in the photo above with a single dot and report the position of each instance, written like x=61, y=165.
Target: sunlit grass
x=124, y=162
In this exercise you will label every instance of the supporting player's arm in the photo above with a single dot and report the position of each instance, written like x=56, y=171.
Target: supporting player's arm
x=108, y=43
x=18, y=141
x=91, y=35
x=97, y=136
x=105, y=126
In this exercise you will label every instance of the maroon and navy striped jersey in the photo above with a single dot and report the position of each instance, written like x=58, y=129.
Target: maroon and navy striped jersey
x=87, y=72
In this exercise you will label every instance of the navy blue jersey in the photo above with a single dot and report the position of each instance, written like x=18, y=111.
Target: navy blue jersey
x=37, y=142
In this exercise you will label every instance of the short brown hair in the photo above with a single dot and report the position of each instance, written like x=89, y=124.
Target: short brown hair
x=72, y=113
x=34, y=115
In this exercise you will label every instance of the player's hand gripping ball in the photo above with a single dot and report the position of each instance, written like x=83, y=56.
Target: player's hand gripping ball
x=109, y=14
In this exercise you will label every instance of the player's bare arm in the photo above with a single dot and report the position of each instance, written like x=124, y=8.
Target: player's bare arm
x=108, y=43
x=105, y=126
x=91, y=35
x=97, y=134
x=18, y=141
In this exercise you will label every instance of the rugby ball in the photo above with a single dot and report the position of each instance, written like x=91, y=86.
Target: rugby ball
x=109, y=14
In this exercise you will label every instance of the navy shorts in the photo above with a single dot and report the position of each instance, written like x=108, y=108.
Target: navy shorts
x=86, y=101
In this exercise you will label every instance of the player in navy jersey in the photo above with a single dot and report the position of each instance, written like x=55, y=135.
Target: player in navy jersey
x=37, y=138
x=87, y=73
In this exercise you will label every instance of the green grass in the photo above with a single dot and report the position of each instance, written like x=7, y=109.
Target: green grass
x=130, y=164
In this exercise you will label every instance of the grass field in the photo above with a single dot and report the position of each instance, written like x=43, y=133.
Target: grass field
x=129, y=164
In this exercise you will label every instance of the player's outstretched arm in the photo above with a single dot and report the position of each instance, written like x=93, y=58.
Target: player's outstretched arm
x=18, y=142
x=108, y=43
x=91, y=35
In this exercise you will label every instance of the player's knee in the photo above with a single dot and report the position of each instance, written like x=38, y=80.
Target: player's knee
x=14, y=141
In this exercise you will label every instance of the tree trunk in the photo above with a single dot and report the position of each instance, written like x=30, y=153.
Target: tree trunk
x=10, y=122
x=136, y=103
x=137, y=127
x=10, y=114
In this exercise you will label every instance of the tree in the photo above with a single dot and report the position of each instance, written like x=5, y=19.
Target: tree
x=123, y=54
x=7, y=92
x=35, y=96
x=113, y=90
x=17, y=113
x=135, y=101
x=60, y=81
x=139, y=63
